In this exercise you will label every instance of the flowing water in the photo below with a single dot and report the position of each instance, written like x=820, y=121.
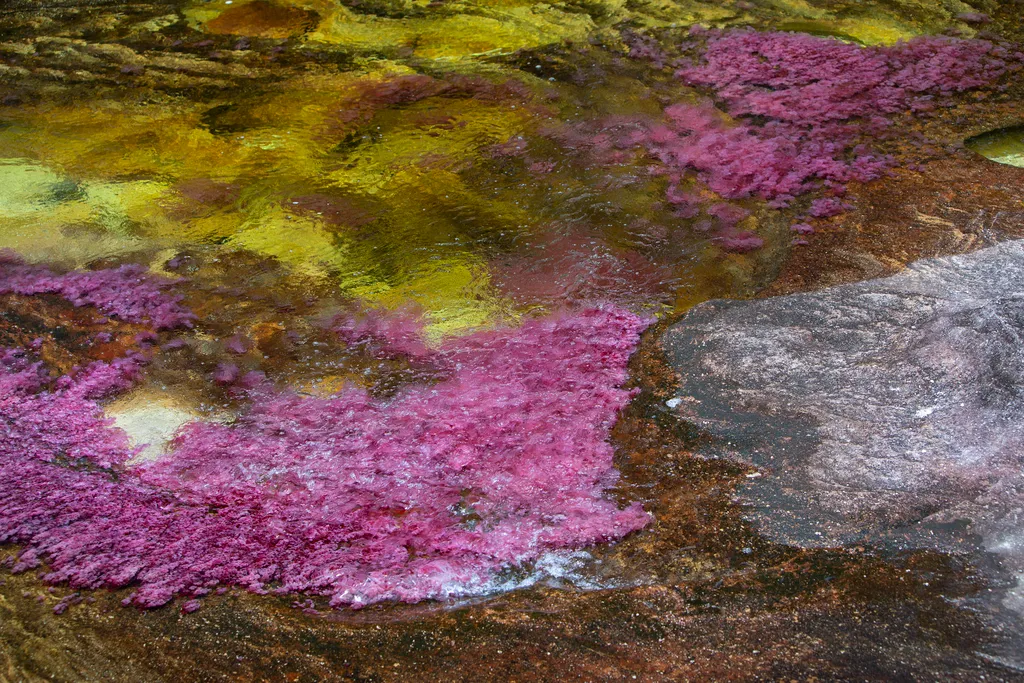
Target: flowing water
x=415, y=244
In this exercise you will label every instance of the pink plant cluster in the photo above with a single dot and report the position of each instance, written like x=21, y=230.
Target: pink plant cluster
x=382, y=334
x=425, y=495
x=377, y=95
x=576, y=266
x=804, y=110
x=127, y=292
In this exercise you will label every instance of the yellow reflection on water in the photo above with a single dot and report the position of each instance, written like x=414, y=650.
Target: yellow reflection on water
x=119, y=177
x=379, y=178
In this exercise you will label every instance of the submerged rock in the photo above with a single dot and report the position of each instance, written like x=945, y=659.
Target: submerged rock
x=1003, y=146
x=885, y=412
x=150, y=418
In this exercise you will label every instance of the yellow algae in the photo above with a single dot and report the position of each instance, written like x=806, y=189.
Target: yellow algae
x=459, y=35
x=328, y=385
x=26, y=187
x=46, y=216
x=402, y=147
x=158, y=262
x=37, y=203
x=455, y=210
x=874, y=31
x=411, y=163
x=799, y=8
x=453, y=293
x=109, y=140
x=300, y=242
x=657, y=13
x=878, y=31
x=902, y=20
x=206, y=229
x=468, y=5
x=63, y=236
x=451, y=129
x=454, y=30
x=1004, y=146
x=290, y=134
x=932, y=10
x=128, y=207
x=157, y=23
x=459, y=29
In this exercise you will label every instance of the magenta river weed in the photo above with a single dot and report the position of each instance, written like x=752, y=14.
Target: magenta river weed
x=807, y=114
x=504, y=454
x=595, y=340
x=425, y=495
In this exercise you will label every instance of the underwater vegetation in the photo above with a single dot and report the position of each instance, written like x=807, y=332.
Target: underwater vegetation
x=805, y=113
x=148, y=301
x=1004, y=146
x=453, y=162
x=428, y=494
x=415, y=244
x=503, y=455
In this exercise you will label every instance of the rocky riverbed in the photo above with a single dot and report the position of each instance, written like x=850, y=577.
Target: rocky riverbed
x=315, y=320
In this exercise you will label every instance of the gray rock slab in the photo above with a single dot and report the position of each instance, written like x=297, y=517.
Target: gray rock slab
x=888, y=412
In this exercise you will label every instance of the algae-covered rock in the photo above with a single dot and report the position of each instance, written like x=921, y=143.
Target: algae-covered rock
x=1004, y=146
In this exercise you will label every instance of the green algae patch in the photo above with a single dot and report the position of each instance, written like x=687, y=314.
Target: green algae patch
x=1004, y=146
x=351, y=178
x=864, y=31
x=420, y=29
x=484, y=31
x=47, y=216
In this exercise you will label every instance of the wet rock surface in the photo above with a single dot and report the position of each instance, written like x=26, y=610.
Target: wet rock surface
x=297, y=161
x=885, y=412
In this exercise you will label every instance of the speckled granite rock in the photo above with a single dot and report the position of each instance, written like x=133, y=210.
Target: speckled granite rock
x=885, y=412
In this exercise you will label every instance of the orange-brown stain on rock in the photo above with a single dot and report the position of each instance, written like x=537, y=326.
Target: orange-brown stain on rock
x=261, y=19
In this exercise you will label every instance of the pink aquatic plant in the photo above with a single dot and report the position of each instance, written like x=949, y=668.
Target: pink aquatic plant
x=577, y=266
x=644, y=47
x=606, y=141
x=382, y=334
x=804, y=110
x=425, y=495
x=974, y=18
x=825, y=207
x=807, y=80
x=128, y=292
x=739, y=241
x=225, y=373
x=237, y=344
